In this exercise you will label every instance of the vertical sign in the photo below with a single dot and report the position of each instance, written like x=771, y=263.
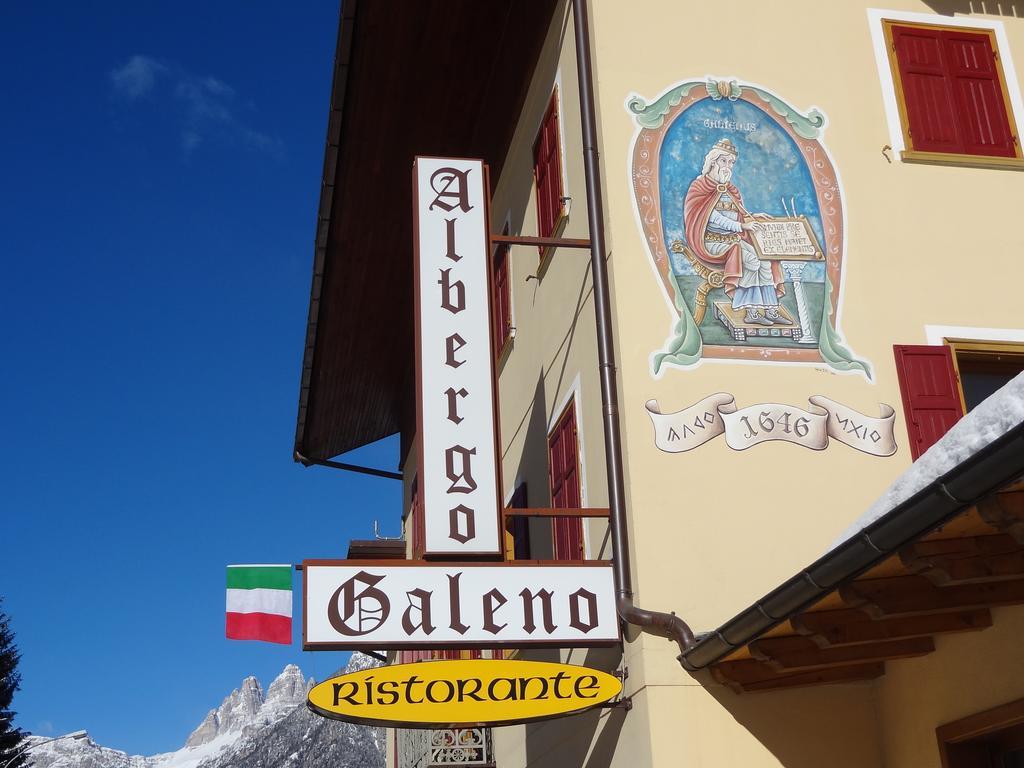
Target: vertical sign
x=459, y=480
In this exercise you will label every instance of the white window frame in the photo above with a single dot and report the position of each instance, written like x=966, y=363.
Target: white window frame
x=887, y=77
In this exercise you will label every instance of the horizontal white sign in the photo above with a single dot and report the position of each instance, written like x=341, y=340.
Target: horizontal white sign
x=351, y=604
x=459, y=481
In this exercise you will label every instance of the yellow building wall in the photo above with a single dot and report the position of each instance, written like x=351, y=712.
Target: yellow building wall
x=967, y=674
x=708, y=727
x=552, y=358
x=553, y=355
x=918, y=252
x=714, y=529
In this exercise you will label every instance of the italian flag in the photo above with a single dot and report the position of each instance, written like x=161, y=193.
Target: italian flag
x=260, y=603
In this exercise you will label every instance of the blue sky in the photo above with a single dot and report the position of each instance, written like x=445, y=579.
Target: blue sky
x=160, y=175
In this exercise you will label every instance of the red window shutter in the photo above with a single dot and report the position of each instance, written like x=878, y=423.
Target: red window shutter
x=563, y=463
x=547, y=169
x=952, y=91
x=554, y=163
x=983, y=120
x=501, y=300
x=930, y=391
x=927, y=90
x=556, y=466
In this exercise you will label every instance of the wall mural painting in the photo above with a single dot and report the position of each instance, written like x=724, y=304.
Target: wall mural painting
x=742, y=213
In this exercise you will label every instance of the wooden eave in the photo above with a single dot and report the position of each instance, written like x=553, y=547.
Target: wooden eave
x=424, y=78
x=947, y=581
x=936, y=563
x=376, y=549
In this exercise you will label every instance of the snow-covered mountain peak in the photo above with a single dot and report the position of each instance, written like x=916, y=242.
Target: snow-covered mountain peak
x=206, y=732
x=247, y=730
x=238, y=710
x=360, y=661
x=288, y=689
x=79, y=753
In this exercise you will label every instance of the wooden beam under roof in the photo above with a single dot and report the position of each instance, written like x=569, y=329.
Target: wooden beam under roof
x=752, y=676
x=783, y=654
x=945, y=582
x=975, y=558
x=970, y=523
x=1005, y=512
x=969, y=546
x=828, y=628
x=881, y=598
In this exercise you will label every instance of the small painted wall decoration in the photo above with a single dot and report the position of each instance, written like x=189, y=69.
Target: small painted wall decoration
x=813, y=427
x=742, y=213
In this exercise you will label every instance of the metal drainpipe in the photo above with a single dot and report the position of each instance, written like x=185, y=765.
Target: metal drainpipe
x=663, y=624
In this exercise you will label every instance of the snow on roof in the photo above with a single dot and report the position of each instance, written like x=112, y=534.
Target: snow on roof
x=992, y=418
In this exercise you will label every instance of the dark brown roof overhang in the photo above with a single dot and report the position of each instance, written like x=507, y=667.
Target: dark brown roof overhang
x=376, y=549
x=422, y=78
x=898, y=592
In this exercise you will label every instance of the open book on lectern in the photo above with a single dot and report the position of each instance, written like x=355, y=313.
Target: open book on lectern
x=786, y=238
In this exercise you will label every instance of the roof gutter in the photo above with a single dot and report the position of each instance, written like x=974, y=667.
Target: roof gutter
x=995, y=466
x=358, y=468
x=342, y=65
x=662, y=624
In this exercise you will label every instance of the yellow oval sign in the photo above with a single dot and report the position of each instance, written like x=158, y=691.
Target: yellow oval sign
x=466, y=692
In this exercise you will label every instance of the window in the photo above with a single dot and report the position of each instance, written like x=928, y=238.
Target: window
x=547, y=171
x=501, y=300
x=991, y=739
x=564, y=480
x=984, y=367
x=941, y=383
x=952, y=96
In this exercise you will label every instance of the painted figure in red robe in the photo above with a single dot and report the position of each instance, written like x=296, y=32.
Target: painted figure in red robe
x=718, y=229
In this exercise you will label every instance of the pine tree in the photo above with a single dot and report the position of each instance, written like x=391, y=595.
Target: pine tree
x=11, y=738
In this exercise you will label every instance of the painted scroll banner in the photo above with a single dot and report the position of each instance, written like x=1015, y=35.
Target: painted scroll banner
x=746, y=427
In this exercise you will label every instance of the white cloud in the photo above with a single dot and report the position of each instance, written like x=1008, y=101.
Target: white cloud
x=205, y=102
x=137, y=76
x=206, y=107
x=219, y=87
x=263, y=141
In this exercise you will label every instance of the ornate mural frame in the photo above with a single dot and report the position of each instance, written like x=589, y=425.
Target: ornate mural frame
x=686, y=348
